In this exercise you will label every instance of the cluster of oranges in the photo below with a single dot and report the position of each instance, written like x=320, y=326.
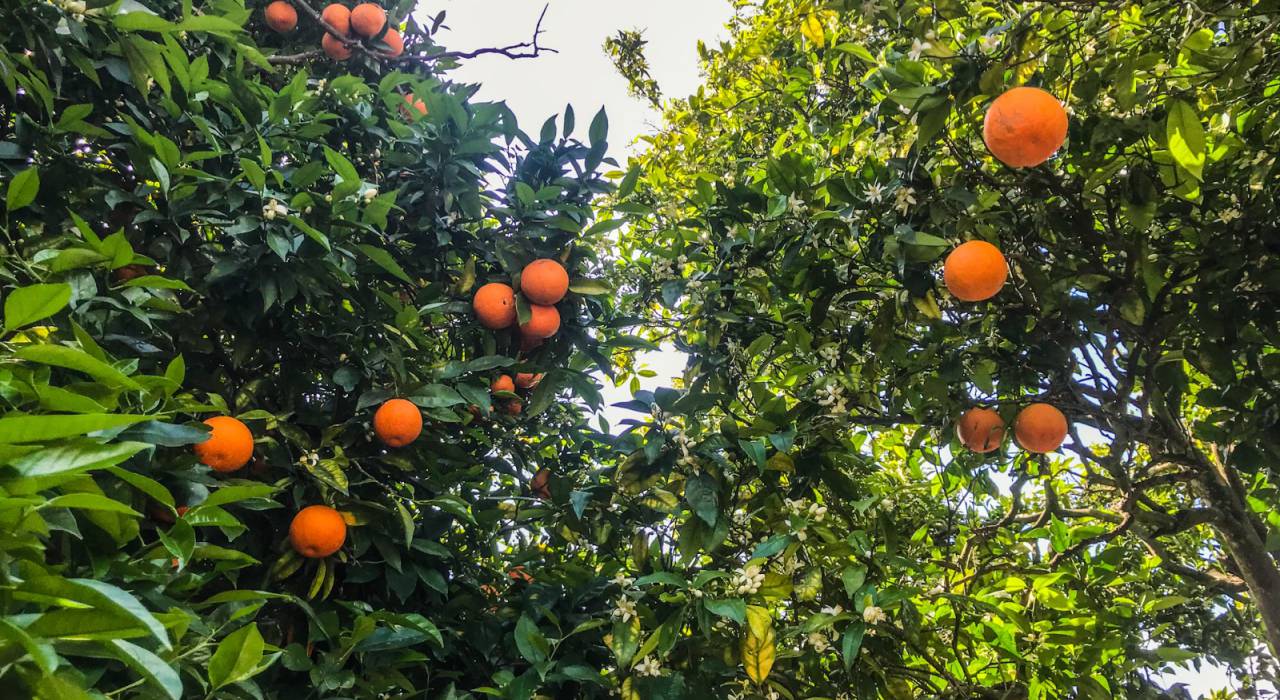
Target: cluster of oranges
x=366, y=22
x=504, y=384
x=543, y=283
x=316, y=531
x=1023, y=128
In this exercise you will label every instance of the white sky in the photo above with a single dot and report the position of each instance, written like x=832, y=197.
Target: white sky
x=582, y=75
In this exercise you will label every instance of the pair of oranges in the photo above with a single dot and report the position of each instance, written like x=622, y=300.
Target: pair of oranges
x=1023, y=128
x=543, y=283
x=1039, y=428
x=316, y=531
x=366, y=21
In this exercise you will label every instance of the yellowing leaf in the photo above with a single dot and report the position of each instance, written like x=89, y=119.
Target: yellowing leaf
x=758, y=654
x=1186, y=138
x=812, y=30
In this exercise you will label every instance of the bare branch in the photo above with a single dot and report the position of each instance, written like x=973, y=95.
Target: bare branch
x=524, y=49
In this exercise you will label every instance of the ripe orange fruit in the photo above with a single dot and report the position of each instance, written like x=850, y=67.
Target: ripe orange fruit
x=495, y=305
x=540, y=484
x=1024, y=127
x=397, y=423
x=368, y=19
x=281, y=16
x=543, y=322
x=338, y=17
x=519, y=574
x=334, y=48
x=980, y=429
x=1040, y=428
x=974, y=271
x=514, y=407
x=317, y=531
x=394, y=42
x=525, y=380
x=502, y=383
x=544, y=282
x=228, y=447
x=411, y=105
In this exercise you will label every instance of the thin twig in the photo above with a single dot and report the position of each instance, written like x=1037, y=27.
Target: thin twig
x=512, y=51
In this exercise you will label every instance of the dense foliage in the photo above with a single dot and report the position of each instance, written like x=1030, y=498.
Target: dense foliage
x=788, y=225
x=202, y=217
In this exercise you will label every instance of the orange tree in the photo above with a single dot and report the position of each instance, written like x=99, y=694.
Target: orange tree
x=826, y=532
x=206, y=216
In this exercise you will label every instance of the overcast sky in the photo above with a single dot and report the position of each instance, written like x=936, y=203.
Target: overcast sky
x=581, y=75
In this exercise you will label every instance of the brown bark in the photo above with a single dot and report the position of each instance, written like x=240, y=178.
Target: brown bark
x=1246, y=547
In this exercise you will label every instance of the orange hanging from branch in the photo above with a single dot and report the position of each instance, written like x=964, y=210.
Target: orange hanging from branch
x=975, y=271
x=981, y=429
x=397, y=423
x=317, y=531
x=544, y=322
x=495, y=306
x=281, y=17
x=544, y=282
x=368, y=19
x=228, y=448
x=1040, y=428
x=338, y=17
x=1024, y=127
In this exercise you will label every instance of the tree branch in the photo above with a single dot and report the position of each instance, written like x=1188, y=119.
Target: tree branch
x=524, y=49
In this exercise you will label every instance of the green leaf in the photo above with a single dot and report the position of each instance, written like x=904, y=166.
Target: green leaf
x=853, y=578
x=852, y=642
x=454, y=505
x=145, y=484
x=628, y=184
x=234, y=494
x=90, y=501
x=24, y=429
x=437, y=396
x=143, y=22
x=599, y=129
x=237, y=656
x=702, y=494
x=624, y=641
x=384, y=260
x=29, y=304
x=22, y=189
x=1186, y=138
x=86, y=623
x=589, y=287
x=78, y=360
x=73, y=457
x=732, y=608
x=40, y=652
x=97, y=595
x=158, y=282
x=533, y=645
x=149, y=666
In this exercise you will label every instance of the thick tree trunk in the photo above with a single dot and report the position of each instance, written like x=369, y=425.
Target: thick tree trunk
x=1247, y=549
